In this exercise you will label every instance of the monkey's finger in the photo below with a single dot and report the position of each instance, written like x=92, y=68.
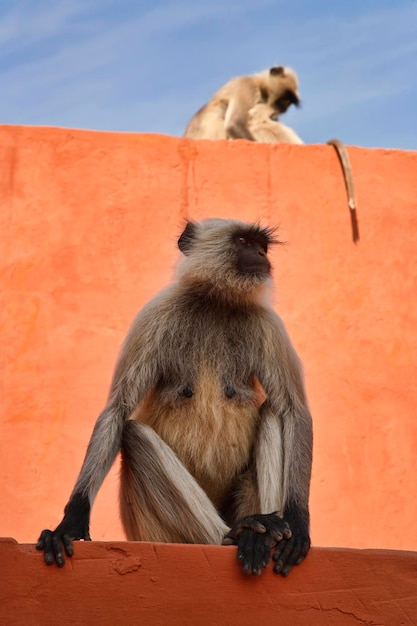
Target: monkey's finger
x=281, y=557
x=285, y=570
x=232, y=537
x=68, y=545
x=57, y=549
x=305, y=547
x=293, y=559
x=41, y=541
x=279, y=534
x=251, y=524
x=45, y=543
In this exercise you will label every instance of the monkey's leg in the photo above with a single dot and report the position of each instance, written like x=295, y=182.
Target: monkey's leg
x=297, y=442
x=159, y=499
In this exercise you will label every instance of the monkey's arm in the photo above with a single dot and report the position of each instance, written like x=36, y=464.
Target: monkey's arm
x=243, y=98
x=283, y=468
x=135, y=373
x=101, y=452
x=283, y=463
x=297, y=446
x=289, y=406
x=285, y=529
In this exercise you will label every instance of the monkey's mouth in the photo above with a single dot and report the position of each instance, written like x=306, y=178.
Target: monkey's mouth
x=256, y=270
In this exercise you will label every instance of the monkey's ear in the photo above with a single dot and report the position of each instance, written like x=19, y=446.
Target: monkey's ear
x=185, y=242
x=277, y=70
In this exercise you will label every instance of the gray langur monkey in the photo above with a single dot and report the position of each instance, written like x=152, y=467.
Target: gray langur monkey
x=225, y=116
x=208, y=408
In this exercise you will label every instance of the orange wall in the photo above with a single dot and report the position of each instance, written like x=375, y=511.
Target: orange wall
x=88, y=227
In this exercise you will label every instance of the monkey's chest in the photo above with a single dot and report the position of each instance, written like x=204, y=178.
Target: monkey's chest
x=209, y=425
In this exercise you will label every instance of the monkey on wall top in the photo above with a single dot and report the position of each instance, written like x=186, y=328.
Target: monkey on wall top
x=247, y=107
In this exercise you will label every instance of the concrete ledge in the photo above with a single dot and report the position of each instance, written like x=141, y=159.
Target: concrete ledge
x=181, y=585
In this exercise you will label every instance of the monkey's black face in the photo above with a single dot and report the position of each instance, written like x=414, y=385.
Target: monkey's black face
x=252, y=251
x=286, y=100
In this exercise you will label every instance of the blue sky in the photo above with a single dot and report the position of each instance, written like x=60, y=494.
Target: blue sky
x=148, y=66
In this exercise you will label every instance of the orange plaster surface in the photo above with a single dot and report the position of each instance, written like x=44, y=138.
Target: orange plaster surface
x=88, y=229
x=188, y=585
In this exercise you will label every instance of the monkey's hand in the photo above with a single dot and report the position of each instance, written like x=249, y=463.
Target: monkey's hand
x=255, y=536
x=293, y=550
x=75, y=525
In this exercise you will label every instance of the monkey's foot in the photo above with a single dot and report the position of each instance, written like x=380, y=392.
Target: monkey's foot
x=255, y=536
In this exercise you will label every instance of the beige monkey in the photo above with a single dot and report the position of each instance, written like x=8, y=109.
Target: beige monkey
x=225, y=116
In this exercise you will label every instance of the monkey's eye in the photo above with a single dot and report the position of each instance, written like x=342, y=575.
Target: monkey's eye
x=250, y=242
